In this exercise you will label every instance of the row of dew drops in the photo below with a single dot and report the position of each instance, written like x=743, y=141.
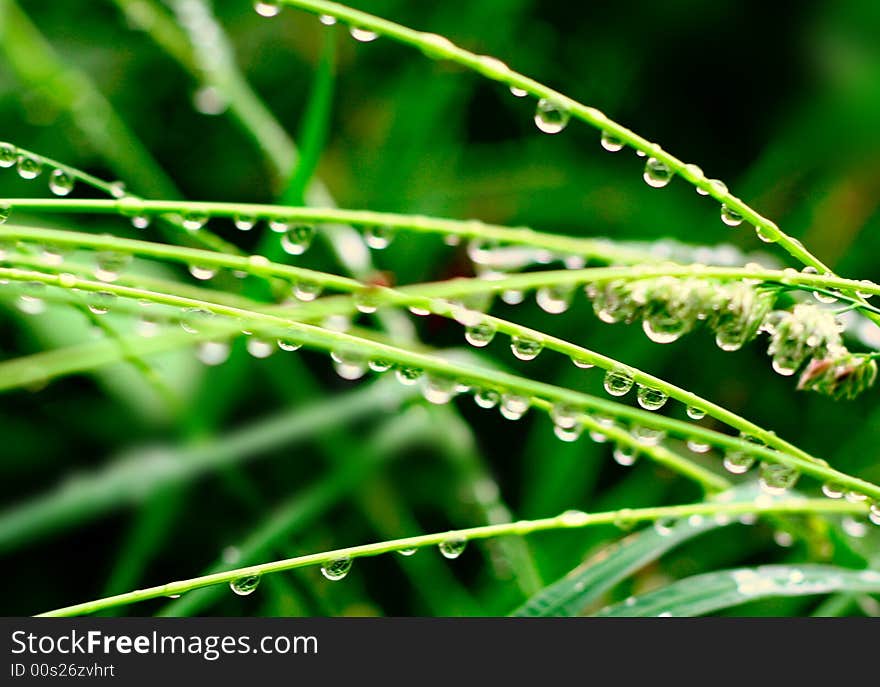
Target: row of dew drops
x=552, y=118
x=774, y=478
x=295, y=237
x=617, y=382
x=29, y=167
x=336, y=569
x=296, y=240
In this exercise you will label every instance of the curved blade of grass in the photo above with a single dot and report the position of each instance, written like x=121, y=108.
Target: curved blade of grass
x=519, y=528
x=585, y=584
x=716, y=591
x=438, y=47
x=333, y=218
x=542, y=395
x=426, y=297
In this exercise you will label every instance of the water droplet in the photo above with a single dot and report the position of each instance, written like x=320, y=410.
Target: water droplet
x=833, y=490
x=190, y=322
x=651, y=399
x=729, y=338
x=408, y=551
x=29, y=167
x=117, y=189
x=8, y=155
x=245, y=222
x=267, y=8
x=210, y=101
x=525, y=349
x=5, y=211
x=408, y=375
x=486, y=398
x=349, y=366
x=288, y=345
x=825, y=298
x=657, y=174
x=30, y=305
x=776, y=478
x=854, y=528
x=874, y=513
x=764, y=235
x=550, y=118
x=140, y=221
x=784, y=365
x=193, y=221
x=518, y=92
x=101, y=303
x=201, y=272
x=663, y=329
x=109, y=264
x=480, y=334
x=513, y=406
x=664, y=526
x=306, y=291
x=611, y=143
x=581, y=363
x=649, y=436
x=439, y=390
x=336, y=569
x=366, y=301
x=378, y=238
x=60, y=182
x=624, y=455
x=695, y=413
x=327, y=19
x=363, y=35
x=453, y=547
x=513, y=297
x=245, y=585
x=618, y=382
x=279, y=224
x=259, y=348
x=855, y=497
x=730, y=216
x=297, y=240
x=212, y=352
x=698, y=446
x=554, y=299
x=565, y=416
x=568, y=434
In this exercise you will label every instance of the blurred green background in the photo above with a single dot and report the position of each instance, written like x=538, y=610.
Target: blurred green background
x=106, y=487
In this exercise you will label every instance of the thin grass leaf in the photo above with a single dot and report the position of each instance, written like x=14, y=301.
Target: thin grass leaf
x=716, y=591
x=580, y=588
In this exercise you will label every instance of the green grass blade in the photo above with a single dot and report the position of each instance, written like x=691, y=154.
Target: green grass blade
x=590, y=580
x=716, y=591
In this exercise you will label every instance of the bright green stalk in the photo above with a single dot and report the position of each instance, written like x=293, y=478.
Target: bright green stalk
x=439, y=47
x=455, y=288
x=465, y=229
x=543, y=395
x=568, y=520
x=413, y=296
x=332, y=341
x=429, y=298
